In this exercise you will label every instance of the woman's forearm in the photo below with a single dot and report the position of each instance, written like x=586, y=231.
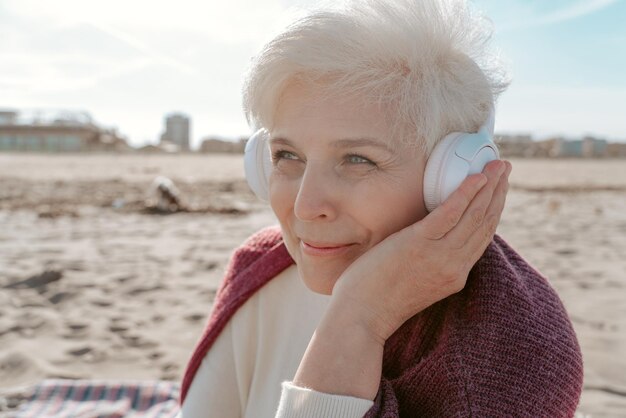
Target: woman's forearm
x=343, y=357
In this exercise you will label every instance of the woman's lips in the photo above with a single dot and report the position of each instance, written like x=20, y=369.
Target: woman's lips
x=319, y=249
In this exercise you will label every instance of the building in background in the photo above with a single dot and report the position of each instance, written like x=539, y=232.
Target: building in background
x=56, y=131
x=616, y=150
x=177, y=127
x=588, y=147
x=524, y=146
x=217, y=145
x=514, y=145
x=594, y=147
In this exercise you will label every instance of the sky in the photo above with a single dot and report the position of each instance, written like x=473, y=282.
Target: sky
x=130, y=62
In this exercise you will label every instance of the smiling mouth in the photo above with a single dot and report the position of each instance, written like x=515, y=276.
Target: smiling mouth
x=324, y=245
x=324, y=249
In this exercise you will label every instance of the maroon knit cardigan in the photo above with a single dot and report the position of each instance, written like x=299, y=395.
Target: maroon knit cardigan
x=503, y=346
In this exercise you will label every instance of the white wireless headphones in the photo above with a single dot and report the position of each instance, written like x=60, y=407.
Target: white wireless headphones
x=457, y=156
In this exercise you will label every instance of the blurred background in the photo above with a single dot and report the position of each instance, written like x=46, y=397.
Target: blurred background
x=130, y=63
x=122, y=191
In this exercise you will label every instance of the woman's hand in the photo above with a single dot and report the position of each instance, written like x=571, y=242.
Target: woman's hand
x=424, y=262
x=397, y=278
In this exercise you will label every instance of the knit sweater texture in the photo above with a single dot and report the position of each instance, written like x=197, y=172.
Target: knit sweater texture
x=504, y=345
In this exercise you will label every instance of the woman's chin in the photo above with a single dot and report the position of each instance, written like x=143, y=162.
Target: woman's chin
x=321, y=282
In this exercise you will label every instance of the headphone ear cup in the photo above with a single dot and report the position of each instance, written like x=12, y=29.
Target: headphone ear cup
x=457, y=156
x=258, y=164
x=437, y=169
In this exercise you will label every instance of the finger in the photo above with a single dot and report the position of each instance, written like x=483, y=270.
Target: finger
x=496, y=206
x=477, y=211
x=479, y=241
x=445, y=216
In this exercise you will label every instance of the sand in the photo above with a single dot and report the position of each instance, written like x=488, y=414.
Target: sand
x=94, y=286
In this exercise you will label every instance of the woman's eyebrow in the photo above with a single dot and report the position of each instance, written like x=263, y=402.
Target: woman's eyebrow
x=282, y=141
x=360, y=142
x=341, y=143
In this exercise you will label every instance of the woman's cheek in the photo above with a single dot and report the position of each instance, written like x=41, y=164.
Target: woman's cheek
x=282, y=194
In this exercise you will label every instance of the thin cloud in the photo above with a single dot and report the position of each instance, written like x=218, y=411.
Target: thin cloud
x=52, y=81
x=143, y=48
x=570, y=12
x=574, y=11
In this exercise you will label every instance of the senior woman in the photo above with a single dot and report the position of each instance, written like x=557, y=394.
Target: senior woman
x=370, y=299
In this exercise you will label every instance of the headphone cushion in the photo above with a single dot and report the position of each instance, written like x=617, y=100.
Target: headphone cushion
x=258, y=164
x=437, y=167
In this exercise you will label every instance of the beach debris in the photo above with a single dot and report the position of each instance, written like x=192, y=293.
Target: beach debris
x=118, y=203
x=56, y=211
x=164, y=197
x=554, y=205
x=36, y=281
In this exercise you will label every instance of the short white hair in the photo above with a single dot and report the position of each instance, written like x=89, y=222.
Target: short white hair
x=427, y=62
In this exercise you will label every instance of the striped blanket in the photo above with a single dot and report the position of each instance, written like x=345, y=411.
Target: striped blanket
x=61, y=398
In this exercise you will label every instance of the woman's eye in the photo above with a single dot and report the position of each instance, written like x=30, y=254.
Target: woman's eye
x=357, y=159
x=283, y=155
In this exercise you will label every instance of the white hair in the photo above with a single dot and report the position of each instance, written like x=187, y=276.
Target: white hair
x=425, y=61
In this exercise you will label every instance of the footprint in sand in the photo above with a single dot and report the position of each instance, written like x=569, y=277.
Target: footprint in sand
x=61, y=297
x=169, y=371
x=210, y=293
x=125, y=278
x=87, y=354
x=30, y=322
x=20, y=368
x=206, y=265
x=137, y=341
x=37, y=281
x=7, y=327
x=195, y=317
x=566, y=251
x=79, y=352
x=131, y=340
x=119, y=328
x=76, y=330
x=144, y=289
x=15, y=365
x=103, y=303
x=157, y=318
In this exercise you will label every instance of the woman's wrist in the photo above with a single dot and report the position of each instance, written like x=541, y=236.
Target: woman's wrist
x=344, y=357
x=343, y=314
x=370, y=315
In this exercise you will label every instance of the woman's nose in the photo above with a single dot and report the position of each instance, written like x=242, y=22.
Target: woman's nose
x=317, y=195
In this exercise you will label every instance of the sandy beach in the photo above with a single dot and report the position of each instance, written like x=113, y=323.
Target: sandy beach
x=92, y=285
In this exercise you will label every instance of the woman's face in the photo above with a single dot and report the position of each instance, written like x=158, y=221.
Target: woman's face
x=339, y=185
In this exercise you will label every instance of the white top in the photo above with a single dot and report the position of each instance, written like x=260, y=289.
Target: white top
x=247, y=372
